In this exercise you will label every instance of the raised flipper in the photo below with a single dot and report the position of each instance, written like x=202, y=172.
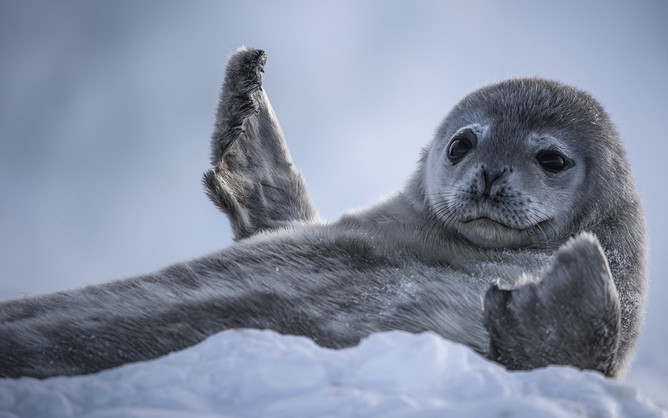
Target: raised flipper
x=253, y=179
x=571, y=316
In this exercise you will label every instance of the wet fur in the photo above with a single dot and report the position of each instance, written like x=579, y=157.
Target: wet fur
x=568, y=297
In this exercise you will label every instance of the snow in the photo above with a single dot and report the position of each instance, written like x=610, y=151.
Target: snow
x=251, y=373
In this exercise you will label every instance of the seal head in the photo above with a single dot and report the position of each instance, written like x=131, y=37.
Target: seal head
x=507, y=167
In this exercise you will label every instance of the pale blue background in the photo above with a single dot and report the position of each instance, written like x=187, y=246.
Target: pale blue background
x=106, y=109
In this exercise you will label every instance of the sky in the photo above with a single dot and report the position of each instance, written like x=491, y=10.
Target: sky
x=106, y=110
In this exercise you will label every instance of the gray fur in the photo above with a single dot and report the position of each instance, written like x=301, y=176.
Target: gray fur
x=422, y=260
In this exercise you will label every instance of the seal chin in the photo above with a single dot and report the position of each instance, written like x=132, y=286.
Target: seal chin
x=490, y=233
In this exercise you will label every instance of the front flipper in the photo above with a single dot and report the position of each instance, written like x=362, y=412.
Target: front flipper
x=253, y=179
x=571, y=316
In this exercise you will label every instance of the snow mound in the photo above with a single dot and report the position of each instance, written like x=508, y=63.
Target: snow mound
x=249, y=373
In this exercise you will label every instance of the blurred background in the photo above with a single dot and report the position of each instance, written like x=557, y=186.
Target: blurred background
x=106, y=109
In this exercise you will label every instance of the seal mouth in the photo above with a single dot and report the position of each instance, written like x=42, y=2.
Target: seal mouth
x=491, y=233
x=485, y=222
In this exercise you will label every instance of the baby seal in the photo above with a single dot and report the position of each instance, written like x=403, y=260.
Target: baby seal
x=520, y=234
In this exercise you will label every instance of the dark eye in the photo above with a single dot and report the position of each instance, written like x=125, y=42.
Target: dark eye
x=460, y=145
x=553, y=161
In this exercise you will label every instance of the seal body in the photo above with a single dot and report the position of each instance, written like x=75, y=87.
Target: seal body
x=520, y=235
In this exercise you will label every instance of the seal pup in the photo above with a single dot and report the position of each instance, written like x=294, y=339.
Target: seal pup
x=525, y=185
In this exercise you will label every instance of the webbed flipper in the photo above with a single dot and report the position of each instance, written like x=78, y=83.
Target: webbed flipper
x=253, y=179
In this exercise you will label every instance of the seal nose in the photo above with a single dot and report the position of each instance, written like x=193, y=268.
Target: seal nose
x=490, y=179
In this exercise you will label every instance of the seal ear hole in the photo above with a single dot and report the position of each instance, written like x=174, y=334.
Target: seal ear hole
x=553, y=161
x=460, y=145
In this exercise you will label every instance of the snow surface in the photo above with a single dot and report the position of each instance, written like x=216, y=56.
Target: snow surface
x=261, y=373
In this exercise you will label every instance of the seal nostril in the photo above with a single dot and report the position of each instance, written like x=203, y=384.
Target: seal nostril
x=490, y=179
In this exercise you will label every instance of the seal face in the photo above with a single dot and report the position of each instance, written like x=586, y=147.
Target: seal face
x=505, y=176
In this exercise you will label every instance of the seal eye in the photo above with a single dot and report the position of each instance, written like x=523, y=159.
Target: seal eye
x=552, y=161
x=460, y=145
